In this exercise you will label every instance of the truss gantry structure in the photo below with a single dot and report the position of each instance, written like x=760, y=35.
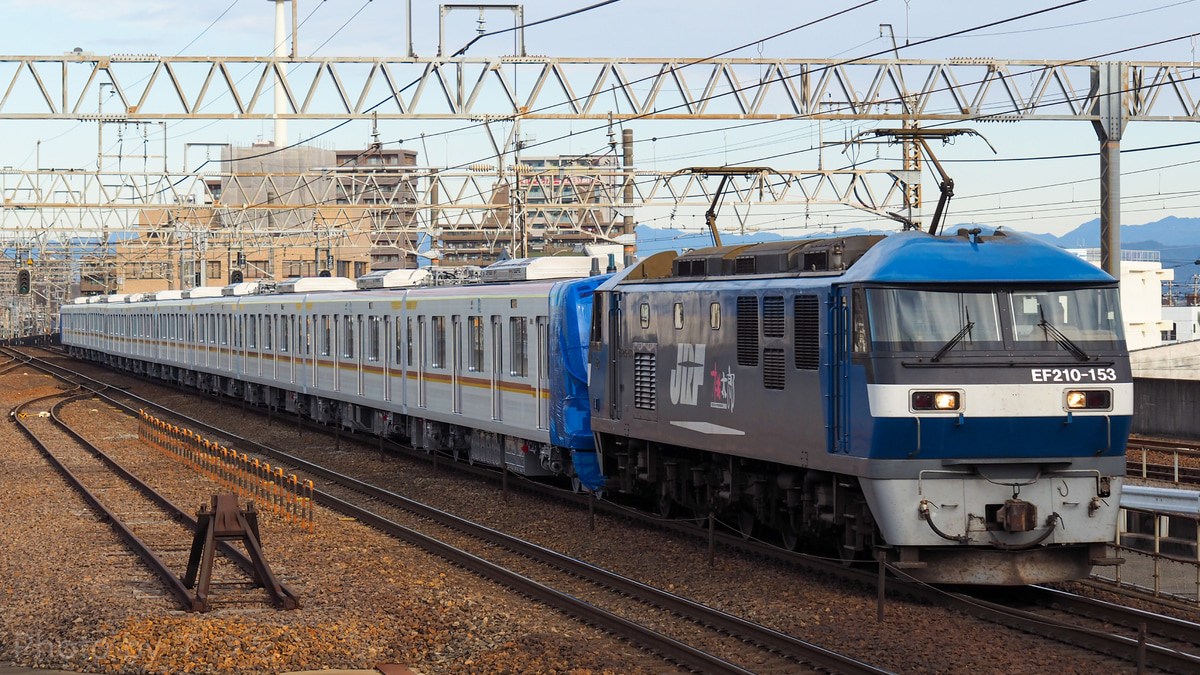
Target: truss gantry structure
x=151, y=87
x=298, y=209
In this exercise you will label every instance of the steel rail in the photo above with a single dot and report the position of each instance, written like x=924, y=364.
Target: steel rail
x=187, y=599
x=765, y=637
x=1130, y=617
x=1103, y=643
x=288, y=600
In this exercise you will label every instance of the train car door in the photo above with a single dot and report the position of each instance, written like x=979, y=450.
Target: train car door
x=362, y=339
x=839, y=370
x=456, y=363
x=387, y=346
x=542, y=377
x=421, y=363
x=497, y=365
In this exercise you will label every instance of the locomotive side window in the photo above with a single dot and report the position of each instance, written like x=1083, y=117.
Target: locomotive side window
x=859, y=312
x=519, y=358
x=714, y=316
x=438, y=359
x=678, y=314
x=644, y=313
x=598, y=317
x=475, y=338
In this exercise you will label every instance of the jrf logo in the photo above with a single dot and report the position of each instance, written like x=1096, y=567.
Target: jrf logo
x=688, y=374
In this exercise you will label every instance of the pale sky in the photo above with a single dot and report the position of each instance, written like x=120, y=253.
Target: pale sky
x=1155, y=183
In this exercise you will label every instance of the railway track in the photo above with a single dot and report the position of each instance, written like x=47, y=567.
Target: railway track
x=155, y=530
x=695, y=636
x=1168, y=644
x=1184, y=467
x=1064, y=617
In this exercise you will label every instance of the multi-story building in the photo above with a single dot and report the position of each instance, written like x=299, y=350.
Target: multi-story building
x=272, y=214
x=542, y=226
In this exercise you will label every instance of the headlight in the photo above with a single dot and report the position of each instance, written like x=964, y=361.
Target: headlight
x=936, y=400
x=1094, y=399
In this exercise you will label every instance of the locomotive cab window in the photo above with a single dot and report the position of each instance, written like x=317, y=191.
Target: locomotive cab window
x=644, y=314
x=678, y=315
x=1066, y=319
x=714, y=316
x=907, y=320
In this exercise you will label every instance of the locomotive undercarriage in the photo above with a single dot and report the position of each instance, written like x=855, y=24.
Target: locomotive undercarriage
x=803, y=508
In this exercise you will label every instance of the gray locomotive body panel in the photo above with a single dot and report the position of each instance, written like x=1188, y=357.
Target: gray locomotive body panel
x=684, y=376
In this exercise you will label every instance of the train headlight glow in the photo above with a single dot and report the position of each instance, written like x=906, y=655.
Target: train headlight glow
x=1095, y=399
x=936, y=400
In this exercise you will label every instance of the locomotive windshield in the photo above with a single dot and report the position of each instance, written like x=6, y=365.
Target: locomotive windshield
x=908, y=320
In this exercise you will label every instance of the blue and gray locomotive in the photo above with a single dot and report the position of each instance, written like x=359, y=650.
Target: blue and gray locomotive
x=959, y=403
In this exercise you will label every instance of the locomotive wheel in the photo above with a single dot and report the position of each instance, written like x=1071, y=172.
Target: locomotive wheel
x=747, y=523
x=790, y=540
x=665, y=506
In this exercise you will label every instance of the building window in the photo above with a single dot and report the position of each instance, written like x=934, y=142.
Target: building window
x=214, y=269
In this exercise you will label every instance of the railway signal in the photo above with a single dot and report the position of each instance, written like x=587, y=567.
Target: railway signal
x=23, y=282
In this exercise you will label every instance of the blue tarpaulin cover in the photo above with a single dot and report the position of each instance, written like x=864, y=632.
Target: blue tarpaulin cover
x=570, y=329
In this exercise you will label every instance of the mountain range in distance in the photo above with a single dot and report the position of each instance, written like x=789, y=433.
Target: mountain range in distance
x=1176, y=239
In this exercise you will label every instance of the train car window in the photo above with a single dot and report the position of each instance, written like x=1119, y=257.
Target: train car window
x=772, y=316
x=678, y=313
x=399, y=360
x=326, y=334
x=438, y=358
x=644, y=314
x=348, y=337
x=456, y=346
x=268, y=330
x=224, y=329
x=475, y=337
x=372, y=338
x=200, y=329
x=807, y=333
x=714, y=316
x=252, y=331
x=422, y=339
x=747, y=330
x=408, y=340
x=519, y=357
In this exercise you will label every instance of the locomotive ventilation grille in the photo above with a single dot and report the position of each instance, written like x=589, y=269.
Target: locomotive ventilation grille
x=808, y=332
x=747, y=330
x=645, y=384
x=773, y=316
x=773, y=368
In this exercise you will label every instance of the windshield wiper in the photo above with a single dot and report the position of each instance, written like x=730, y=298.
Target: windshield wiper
x=950, y=344
x=1063, y=341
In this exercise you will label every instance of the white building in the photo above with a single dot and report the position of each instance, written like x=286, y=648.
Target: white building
x=1142, y=277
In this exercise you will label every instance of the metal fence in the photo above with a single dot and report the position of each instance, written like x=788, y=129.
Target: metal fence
x=286, y=496
x=1161, y=554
